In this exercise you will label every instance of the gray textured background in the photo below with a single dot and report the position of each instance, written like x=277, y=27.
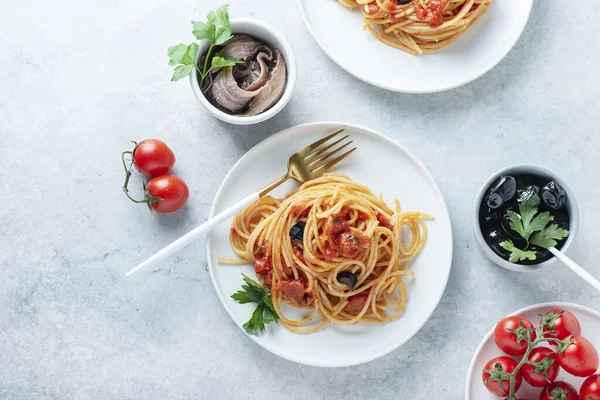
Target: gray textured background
x=79, y=79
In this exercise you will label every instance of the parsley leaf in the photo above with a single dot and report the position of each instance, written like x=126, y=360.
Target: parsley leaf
x=515, y=222
x=256, y=323
x=517, y=254
x=548, y=237
x=253, y=292
x=220, y=61
x=189, y=58
x=184, y=57
x=217, y=30
x=204, y=31
x=222, y=25
x=533, y=227
x=176, y=53
x=539, y=223
x=181, y=71
x=528, y=209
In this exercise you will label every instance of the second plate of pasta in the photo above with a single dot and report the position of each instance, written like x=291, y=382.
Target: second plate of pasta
x=353, y=274
x=416, y=46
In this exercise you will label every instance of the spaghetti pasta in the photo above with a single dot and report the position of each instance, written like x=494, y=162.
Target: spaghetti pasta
x=333, y=248
x=419, y=26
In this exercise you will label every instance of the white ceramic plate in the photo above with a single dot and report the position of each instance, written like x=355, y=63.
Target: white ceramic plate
x=590, y=329
x=340, y=34
x=385, y=167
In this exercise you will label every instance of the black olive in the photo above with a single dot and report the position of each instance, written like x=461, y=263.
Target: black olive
x=347, y=278
x=500, y=251
x=493, y=238
x=297, y=231
x=403, y=2
x=553, y=195
x=502, y=190
x=494, y=201
x=527, y=192
x=495, y=235
x=561, y=218
x=491, y=217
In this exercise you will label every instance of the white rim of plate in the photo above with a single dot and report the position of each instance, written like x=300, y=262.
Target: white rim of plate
x=394, y=89
x=566, y=306
x=392, y=142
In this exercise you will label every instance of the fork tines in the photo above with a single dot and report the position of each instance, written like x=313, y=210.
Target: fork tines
x=318, y=156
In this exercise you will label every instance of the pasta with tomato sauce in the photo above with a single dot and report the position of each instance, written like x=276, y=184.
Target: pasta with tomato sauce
x=419, y=26
x=332, y=248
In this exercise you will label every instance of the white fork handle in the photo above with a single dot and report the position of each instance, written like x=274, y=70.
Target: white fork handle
x=576, y=268
x=196, y=233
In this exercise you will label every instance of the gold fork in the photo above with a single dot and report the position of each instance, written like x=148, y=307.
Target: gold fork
x=308, y=163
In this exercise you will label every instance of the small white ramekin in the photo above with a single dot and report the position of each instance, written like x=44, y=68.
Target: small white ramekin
x=523, y=169
x=268, y=34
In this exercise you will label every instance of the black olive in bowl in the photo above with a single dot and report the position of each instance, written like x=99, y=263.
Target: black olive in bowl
x=499, y=195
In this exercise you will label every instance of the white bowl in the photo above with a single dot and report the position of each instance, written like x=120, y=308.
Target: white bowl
x=269, y=35
x=572, y=207
x=487, y=349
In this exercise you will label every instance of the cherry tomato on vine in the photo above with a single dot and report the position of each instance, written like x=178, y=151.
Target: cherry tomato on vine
x=546, y=372
x=168, y=193
x=580, y=358
x=558, y=323
x=510, y=335
x=496, y=375
x=590, y=389
x=153, y=157
x=559, y=391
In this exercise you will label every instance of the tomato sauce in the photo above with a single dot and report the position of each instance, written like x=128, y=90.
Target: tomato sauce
x=383, y=221
x=432, y=13
x=294, y=291
x=357, y=302
x=344, y=242
x=299, y=252
x=337, y=227
x=263, y=265
x=299, y=210
x=371, y=8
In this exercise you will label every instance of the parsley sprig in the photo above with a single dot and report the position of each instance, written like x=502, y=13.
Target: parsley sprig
x=253, y=292
x=534, y=228
x=217, y=30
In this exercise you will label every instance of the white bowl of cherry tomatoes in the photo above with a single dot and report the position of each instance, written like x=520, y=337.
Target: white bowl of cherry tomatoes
x=545, y=351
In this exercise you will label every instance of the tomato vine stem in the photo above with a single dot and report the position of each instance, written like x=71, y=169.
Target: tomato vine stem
x=525, y=360
x=148, y=198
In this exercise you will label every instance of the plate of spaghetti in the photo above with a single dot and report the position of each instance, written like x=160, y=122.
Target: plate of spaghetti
x=354, y=262
x=416, y=46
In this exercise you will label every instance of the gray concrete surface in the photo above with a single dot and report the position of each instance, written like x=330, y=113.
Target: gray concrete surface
x=79, y=79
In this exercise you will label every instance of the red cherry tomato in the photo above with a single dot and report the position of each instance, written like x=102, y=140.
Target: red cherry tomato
x=590, y=390
x=493, y=373
x=558, y=323
x=559, y=391
x=580, y=358
x=153, y=157
x=546, y=372
x=172, y=190
x=507, y=340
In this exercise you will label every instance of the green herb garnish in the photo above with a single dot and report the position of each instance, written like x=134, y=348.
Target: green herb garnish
x=217, y=30
x=265, y=313
x=533, y=227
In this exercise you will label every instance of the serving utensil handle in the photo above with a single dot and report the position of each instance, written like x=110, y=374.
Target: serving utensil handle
x=192, y=235
x=575, y=268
